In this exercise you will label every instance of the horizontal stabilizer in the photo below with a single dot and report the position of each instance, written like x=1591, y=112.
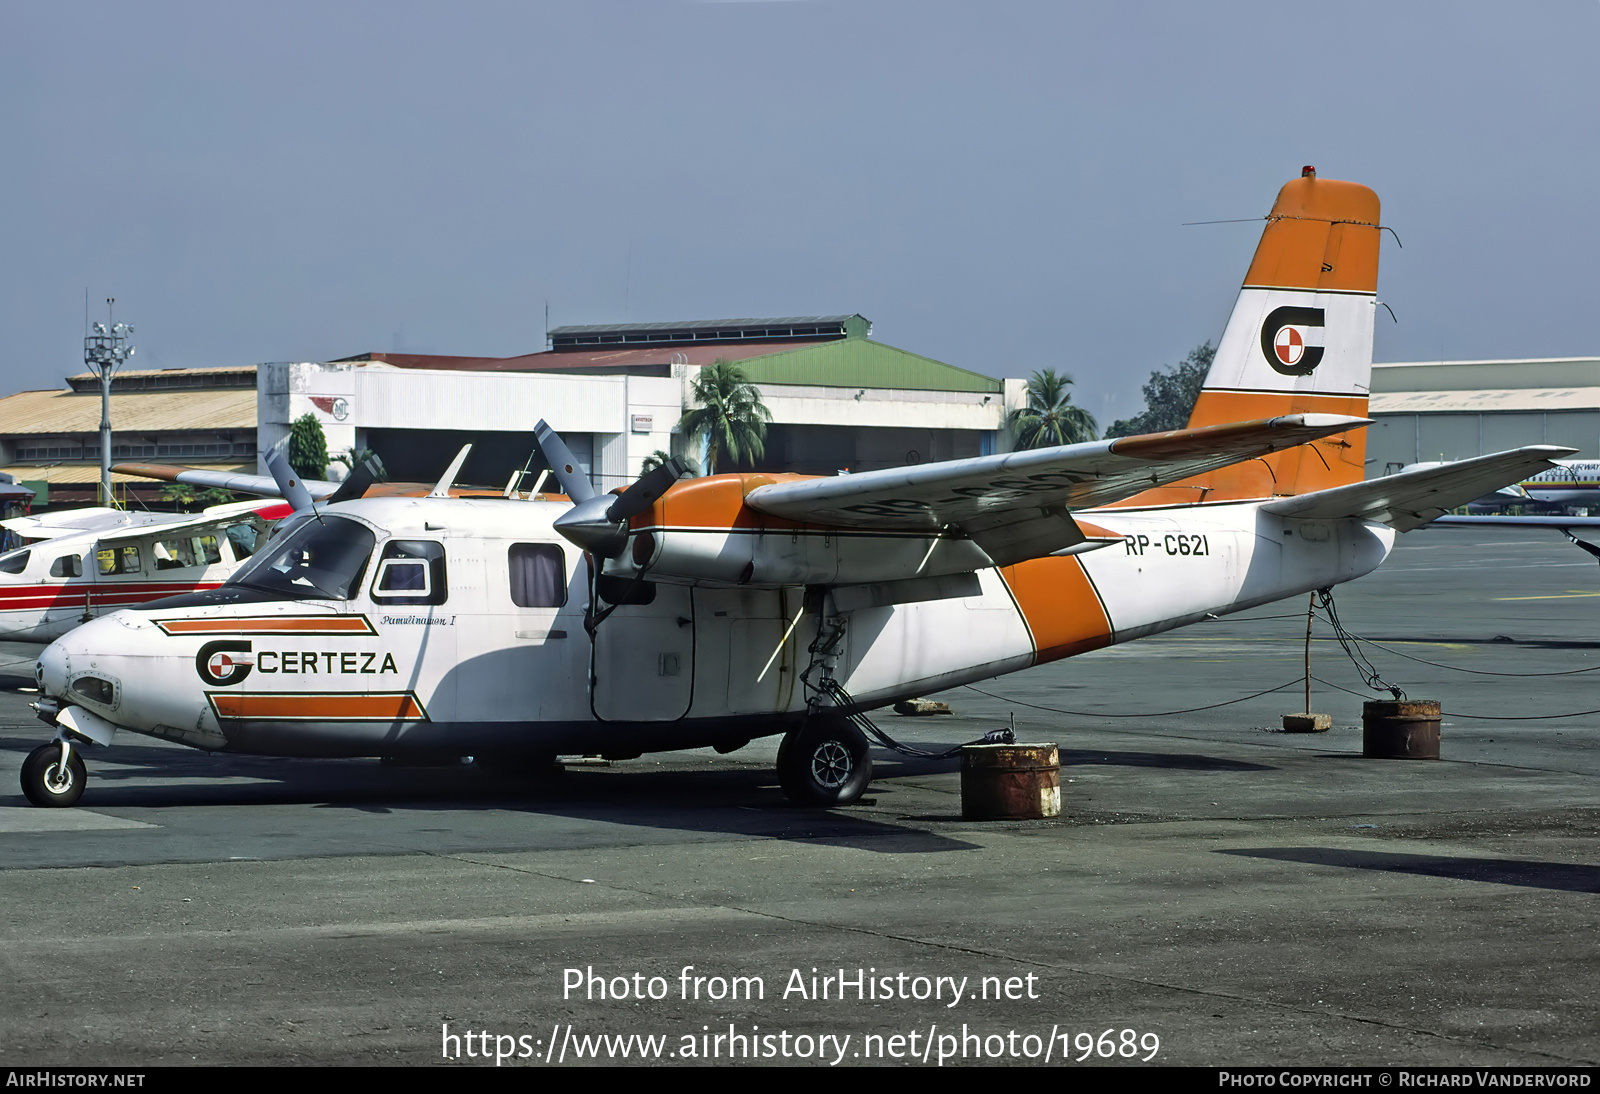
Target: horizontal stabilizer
x=1411, y=499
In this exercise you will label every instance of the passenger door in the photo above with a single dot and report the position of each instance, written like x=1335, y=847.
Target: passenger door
x=643, y=664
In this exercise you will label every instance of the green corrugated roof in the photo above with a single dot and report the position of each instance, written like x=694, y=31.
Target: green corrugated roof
x=861, y=362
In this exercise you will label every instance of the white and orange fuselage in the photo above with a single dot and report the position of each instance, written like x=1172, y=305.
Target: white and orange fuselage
x=451, y=626
x=479, y=674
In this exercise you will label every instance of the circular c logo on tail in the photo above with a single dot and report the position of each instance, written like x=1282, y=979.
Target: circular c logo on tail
x=1283, y=340
x=1289, y=345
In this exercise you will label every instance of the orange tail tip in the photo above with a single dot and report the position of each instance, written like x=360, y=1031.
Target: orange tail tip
x=1299, y=341
x=1300, y=338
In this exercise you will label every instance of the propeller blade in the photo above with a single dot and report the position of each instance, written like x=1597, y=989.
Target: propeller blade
x=574, y=483
x=356, y=484
x=289, y=485
x=644, y=492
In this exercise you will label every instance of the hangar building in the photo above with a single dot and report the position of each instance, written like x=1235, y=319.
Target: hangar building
x=839, y=400
x=1452, y=410
x=203, y=417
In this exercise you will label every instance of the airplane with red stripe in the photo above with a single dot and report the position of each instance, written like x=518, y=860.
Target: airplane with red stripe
x=83, y=564
x=694, y=612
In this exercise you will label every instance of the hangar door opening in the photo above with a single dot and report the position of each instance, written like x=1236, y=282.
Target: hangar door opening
x=829, y=449
x=422, y=455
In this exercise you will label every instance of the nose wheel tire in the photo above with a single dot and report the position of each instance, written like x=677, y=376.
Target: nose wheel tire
x=825, y=762
x=45, y=784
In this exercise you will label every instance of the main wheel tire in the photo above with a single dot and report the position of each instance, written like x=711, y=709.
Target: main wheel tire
x=42, y=785
x=825, y=762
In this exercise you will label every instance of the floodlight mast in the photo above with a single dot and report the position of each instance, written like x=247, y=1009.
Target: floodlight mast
x=105, y=350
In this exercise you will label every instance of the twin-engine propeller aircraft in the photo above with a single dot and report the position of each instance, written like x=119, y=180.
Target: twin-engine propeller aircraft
x=715, y=610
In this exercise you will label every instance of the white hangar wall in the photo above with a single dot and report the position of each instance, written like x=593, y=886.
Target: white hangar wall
x=612, y=423
x=1453, y=410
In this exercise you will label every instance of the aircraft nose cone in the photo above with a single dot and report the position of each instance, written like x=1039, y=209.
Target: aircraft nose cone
x=51, y=671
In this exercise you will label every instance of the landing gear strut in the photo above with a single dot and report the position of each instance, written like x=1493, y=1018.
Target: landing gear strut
x=53, y=775
x=824, y=762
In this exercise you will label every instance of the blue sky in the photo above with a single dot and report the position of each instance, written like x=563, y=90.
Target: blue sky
x=998, y=185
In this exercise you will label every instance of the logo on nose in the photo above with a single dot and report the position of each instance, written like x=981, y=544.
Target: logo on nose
x=225, y=662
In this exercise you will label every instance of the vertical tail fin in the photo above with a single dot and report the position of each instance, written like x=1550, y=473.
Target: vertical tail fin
x=1299, y=339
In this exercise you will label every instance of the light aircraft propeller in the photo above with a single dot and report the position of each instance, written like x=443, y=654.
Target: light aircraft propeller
x=599, y=522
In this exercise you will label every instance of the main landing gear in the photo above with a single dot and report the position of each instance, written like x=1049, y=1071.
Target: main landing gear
x=824, y=762
x=53, y=775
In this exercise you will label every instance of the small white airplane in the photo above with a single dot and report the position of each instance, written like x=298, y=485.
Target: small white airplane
x=84, y=563
x=711, y=611
x=79, y=564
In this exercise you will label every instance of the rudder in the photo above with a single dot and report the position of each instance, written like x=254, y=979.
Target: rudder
x=1299, y=340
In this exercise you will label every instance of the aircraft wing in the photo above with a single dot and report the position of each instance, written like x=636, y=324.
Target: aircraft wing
x=264, y=485
x=216, y=517
x=1016, y=505
x=1411, y=499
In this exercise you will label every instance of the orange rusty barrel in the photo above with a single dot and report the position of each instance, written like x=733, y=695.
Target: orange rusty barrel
x=1010, y=782
x=1400, y=729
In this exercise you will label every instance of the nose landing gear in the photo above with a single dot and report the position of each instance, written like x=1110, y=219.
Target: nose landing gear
x=53, y=775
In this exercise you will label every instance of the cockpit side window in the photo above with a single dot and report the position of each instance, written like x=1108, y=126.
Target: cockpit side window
x=14, y=562
x=321, y=559
x=119, y=560
x=411, y=571
x=538, y=575
x=67, y=566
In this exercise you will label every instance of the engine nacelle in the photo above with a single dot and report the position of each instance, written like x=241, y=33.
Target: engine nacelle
x=792, y=556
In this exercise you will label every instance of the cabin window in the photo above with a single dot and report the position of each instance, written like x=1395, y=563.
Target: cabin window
x=67, y=566
x=323, y=558
x=14, y=562
x=410, y=572
x=538, y=575
x=118, y=560
x=206, y=550
x=243, y=538
x=175, y=554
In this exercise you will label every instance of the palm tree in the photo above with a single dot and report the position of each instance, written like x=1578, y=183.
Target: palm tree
x=730, y=418
x=659, y=458
x=1050, y=418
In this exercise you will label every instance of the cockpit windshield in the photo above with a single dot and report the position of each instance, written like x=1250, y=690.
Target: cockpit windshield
x=321, y=560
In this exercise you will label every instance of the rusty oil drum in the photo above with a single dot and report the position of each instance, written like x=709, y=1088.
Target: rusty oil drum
x=1404, y=729
x=1010, y=782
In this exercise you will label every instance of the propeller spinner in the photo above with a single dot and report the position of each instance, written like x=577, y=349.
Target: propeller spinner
x=599, y=522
